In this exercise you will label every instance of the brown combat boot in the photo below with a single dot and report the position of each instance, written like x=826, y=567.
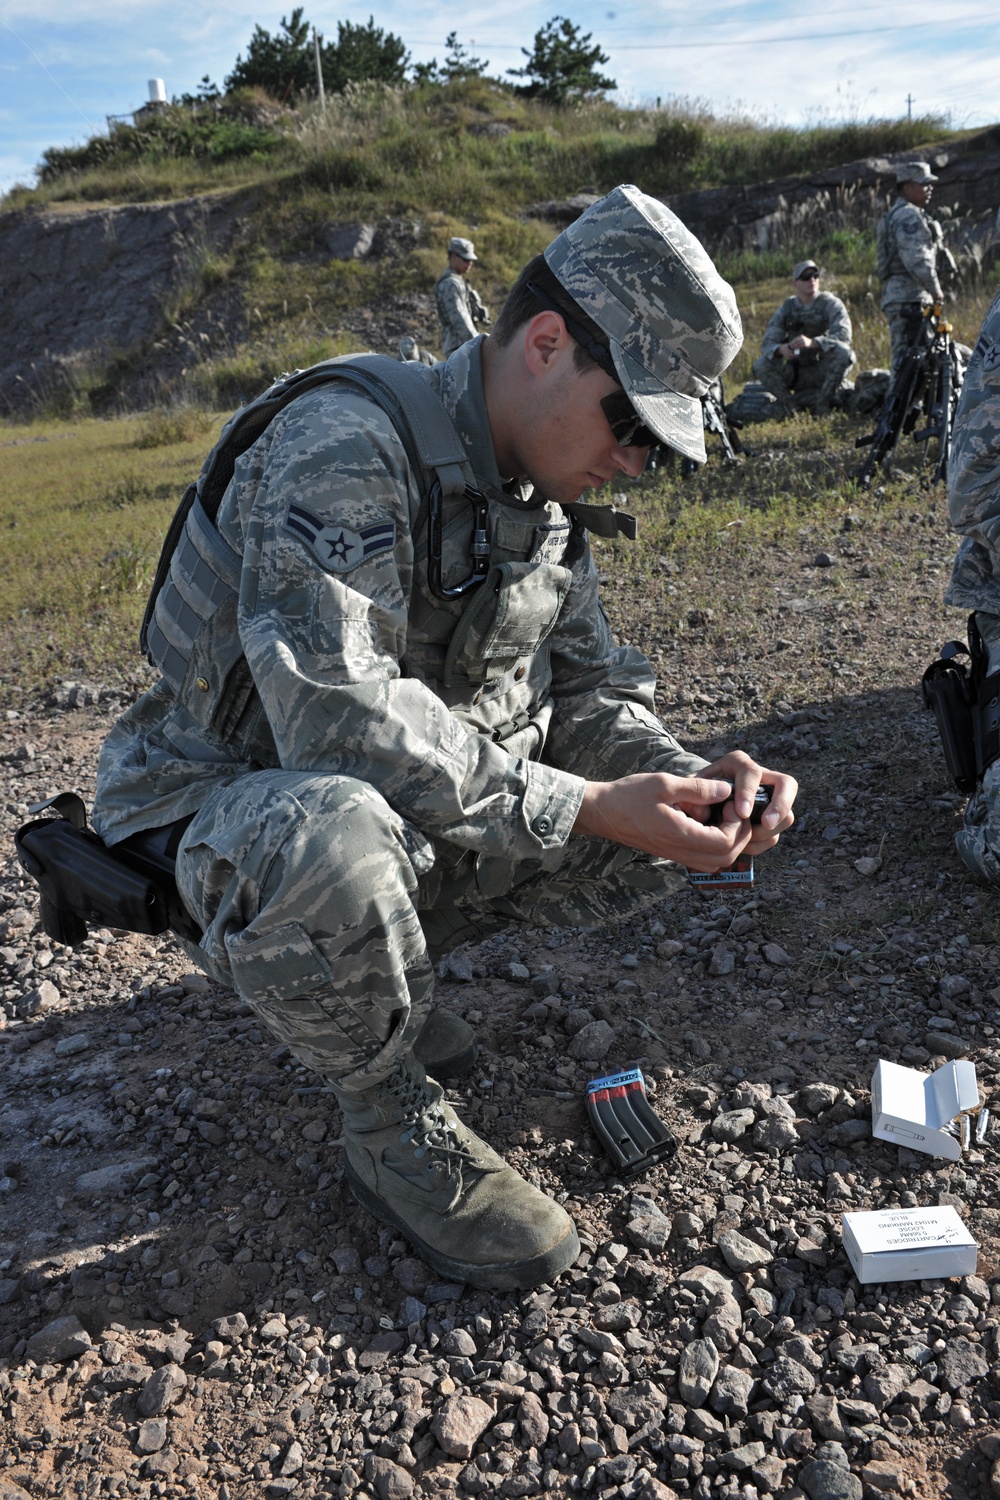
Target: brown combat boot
x=413, y=1164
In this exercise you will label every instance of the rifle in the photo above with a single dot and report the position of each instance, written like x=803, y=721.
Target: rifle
x=926, y=384
x=716, y=420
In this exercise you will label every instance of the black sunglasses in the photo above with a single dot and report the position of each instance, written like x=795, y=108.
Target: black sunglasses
x=809, y=276
x=628, y=427
x=625, y=422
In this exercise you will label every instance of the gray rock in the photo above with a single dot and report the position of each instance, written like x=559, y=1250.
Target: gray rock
x=62, y=1339
x=946, y=1044
x=723, y=961
x=817, y=1097
x=31, y=1003
x=775, y=955
x=163, y=1389
x=882, y=1387
x=68, y=1046
x=152, y=1435
x=460, y=1424
x=390, y=1481
x=349, y=241
x=786, y=1377
x=741, y=1254
x=696, y=1372
x=950, y=986
x=231, y=1328
x=731, y=1392
x=961, y=1363
x=741, y=1458
x=732, y=1124
x=707, y=1282
x=113, y=1180
x=649, y=1229
x=823, y=1480
x=594, y=1041
x=827, y=1421
x=775, y=1134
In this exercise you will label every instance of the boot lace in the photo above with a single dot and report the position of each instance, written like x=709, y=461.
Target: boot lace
x=427, y=1127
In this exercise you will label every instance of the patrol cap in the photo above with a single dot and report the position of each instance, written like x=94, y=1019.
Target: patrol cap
x=914, y=171
x=671, y=322
x=802, y=267
x=465, y=248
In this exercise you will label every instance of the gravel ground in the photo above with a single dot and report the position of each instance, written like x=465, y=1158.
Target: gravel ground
x=191, y=1304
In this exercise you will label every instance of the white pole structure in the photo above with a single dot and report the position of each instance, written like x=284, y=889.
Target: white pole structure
x=319, y=72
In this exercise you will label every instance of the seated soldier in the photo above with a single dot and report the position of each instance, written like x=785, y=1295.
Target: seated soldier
x=807, y=347
x=974, y=505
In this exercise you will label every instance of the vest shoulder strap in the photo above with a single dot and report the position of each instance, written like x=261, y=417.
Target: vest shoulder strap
x=425, y=429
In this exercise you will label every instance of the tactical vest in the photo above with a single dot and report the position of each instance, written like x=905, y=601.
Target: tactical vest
x=888, y=261
x=190, y=629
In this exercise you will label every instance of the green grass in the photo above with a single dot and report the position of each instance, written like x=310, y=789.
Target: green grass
x=83, y=510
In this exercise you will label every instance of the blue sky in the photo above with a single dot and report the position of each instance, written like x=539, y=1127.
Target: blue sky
x=67, y=64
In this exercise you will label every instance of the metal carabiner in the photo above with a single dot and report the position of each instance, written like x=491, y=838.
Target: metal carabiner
x=479, y=544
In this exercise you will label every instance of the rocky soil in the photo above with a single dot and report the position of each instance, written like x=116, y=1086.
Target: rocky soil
x=192, y=1305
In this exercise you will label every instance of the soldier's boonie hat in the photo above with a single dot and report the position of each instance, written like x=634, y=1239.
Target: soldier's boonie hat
x=465, y=248
x=671, y=322
x=803, y=266
x=914, y=171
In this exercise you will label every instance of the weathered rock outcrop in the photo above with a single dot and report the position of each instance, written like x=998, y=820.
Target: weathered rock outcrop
x=79, y=287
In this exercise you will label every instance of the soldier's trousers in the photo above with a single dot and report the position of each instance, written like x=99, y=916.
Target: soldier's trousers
x=324, y=910
x=809, y=383
x=904, y=320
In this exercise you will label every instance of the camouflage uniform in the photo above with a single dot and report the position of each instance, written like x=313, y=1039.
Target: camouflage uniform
x=460, y=309
x=974, y=506
x=405, y=772
x=815, y=376
x=908, y=254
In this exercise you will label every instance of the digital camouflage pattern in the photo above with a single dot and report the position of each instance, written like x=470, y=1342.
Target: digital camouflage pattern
x=908, y=246
x=974, y=475
x=671, y=321
x=974, y=507
x=427, y=755
x=815, y=376
x=460, y=309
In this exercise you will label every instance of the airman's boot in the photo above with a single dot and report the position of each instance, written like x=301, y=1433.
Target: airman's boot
x=446, y=1045
x=413, y=1164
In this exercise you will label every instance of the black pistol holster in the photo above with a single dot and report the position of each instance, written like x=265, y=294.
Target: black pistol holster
x=85, y=883
x=966, y=705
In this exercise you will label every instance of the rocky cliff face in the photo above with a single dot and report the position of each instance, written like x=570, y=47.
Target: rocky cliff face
x=79, y=289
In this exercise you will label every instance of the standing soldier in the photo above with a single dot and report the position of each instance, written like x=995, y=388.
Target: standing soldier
x=807, y=346
x=460, y=307
x=909, y=248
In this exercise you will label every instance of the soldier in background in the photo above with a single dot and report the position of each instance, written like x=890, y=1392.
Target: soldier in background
x=974, y=506
x=460, y=307
x=409, y=350
x=909, y=250
x=806, y=350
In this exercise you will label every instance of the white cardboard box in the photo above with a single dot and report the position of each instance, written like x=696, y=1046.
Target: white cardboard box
x=908, y=1244
x=911, y=1109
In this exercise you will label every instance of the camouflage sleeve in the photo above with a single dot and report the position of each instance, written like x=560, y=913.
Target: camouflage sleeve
x=325, y=501
x=604, y=725
x=974, y=476
x=454, y=309
x=838, y=328
x=917, y=248
x=775, y=333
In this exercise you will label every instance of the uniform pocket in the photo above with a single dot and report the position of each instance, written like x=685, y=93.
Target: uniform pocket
x=283, y=964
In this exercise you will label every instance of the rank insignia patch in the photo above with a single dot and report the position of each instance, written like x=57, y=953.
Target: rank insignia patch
x=337, y=548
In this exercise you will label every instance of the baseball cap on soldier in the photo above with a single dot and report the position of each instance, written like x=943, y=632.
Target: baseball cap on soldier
x=802, y=267
x=465, y=248
x=915, y=171
x=671, y=322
